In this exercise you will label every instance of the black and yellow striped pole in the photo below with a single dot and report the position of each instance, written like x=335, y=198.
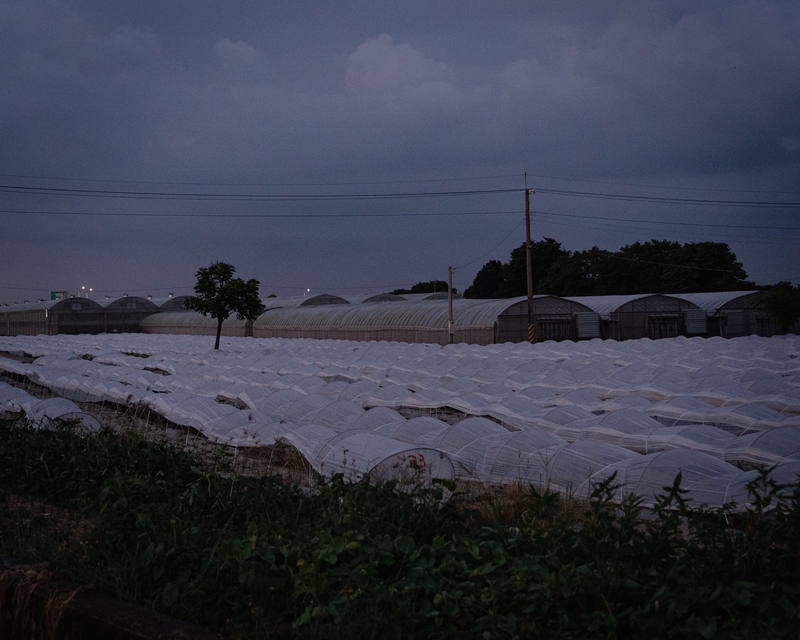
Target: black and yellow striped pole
x=531, y=325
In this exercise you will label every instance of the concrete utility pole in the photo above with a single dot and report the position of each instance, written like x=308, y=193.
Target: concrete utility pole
x=450, y=328
x=531, y=326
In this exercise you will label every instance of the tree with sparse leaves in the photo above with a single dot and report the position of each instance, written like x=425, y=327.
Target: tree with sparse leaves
x=219, y=294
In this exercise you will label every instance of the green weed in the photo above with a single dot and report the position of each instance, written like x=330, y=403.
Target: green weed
x=260, y=557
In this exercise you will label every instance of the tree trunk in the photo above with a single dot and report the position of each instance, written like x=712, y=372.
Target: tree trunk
x=219, y=331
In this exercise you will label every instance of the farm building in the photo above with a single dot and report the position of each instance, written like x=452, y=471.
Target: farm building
x=124, y=315
x=732, y=314
x=191, y=323
x=475, y=321
x=76, y=315
x=172, y=320
x=52, y=317
x=423, y=319
x=645, y=316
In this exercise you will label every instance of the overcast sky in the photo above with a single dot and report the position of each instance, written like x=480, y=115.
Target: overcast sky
x=103, y=102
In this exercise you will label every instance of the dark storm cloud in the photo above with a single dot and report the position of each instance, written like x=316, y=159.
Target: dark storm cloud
x=701, y=95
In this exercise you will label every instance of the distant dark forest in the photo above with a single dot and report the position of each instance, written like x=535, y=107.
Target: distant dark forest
x=657, y=266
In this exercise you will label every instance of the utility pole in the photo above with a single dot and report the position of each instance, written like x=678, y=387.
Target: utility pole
x=450, y=328
x=531, y=326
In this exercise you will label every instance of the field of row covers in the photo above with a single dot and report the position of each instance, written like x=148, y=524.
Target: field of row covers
x=564, y=415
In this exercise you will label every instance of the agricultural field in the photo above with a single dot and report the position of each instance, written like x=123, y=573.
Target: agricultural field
x=562, y=416
x=565, y=490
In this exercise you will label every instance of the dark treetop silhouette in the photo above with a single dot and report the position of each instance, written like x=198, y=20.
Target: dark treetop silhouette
x=218, y=294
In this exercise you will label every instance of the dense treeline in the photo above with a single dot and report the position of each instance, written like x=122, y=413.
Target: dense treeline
x=656, y=266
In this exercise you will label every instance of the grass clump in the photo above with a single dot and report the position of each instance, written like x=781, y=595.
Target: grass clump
x=259, y=557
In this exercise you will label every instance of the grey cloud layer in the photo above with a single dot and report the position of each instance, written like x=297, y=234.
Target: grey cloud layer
x=710, y=92
x=630, y=91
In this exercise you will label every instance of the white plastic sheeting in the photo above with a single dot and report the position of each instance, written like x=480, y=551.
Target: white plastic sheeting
x=46, y=414
x=560, y=414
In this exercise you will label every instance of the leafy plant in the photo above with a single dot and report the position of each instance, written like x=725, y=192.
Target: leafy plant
x=219, y=294
x=257, y=557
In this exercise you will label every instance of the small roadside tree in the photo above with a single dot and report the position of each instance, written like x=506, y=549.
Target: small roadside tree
x=218, y=294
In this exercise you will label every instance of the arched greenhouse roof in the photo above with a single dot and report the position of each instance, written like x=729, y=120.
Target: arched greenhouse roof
x=766, y=448
x=639, y=303
x=377, y=297
x=129, y=302
x=186, y=320
x=172, y=303
x=68, y=304
x=716, y=301
x=291, y=302
x=707, y=479
x=427, y=297
x=467, y=314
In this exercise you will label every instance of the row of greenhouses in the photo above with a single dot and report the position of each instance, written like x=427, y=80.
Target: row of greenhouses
x=77, y=315
x=413, y=318
x=565, y=415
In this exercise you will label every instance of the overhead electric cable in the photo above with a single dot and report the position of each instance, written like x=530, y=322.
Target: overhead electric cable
x=665, y=200
x=259, y=215
x=385, y=182
x=660, y=222
x=117, y=214
x=466, y=264
x=248, y=197
x=256, y=184
x=254, y=197
x=662, y=186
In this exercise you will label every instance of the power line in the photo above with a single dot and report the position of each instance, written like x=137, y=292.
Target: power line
x=664, y=200
x=387, y=182
x=254, y=197
x=659, y=186
x=246, y=197
x=395, y=215
x=466, y=264
x=258, y=184
x=258, y=215
x=675, y=234
x=660, y=222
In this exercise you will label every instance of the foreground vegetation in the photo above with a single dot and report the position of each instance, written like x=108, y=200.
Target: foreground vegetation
x=261, y=558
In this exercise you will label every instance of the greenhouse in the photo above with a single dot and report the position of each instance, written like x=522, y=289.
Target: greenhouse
x=191, y=323
x=170, y=303
x=124, y=315
x=76, y=316
x=418, y=318
x=474, y=321
x=628, y=317
x=52, y=317
x=732, y=314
